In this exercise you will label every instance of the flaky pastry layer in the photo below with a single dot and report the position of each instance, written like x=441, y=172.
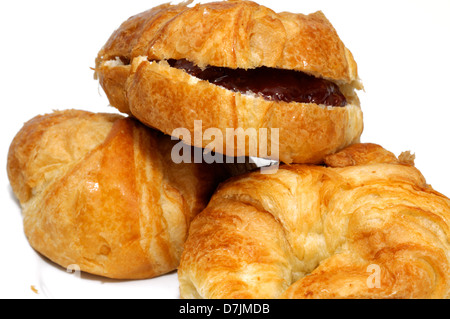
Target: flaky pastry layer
x=100, y=191
x=370, y=228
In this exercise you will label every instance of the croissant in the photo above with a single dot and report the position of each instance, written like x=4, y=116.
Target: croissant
x=365, y=225
x=236, y=64
x=101, y=191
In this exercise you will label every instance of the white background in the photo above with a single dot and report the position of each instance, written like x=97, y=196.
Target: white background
x=402, y=48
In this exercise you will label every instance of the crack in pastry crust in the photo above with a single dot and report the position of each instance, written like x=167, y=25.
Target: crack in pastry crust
x=270, y=83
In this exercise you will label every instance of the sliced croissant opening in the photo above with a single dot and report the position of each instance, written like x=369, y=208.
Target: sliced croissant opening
x=118, y=61
x=270, y=83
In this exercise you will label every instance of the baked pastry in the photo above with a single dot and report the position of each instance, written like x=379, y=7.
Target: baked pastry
x=101, y=191
x=236, y=64
x=365, y=229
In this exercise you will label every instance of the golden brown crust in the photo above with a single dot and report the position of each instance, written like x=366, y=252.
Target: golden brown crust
x=374, y=230
x=101, y=191
x=234, y=34
x=361, y=154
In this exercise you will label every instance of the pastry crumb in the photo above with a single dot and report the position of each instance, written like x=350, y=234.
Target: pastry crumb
x=407, y=158
x=33, y=288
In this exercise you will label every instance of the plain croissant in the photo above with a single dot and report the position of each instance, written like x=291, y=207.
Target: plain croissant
x=366, y=225
x=101, y=191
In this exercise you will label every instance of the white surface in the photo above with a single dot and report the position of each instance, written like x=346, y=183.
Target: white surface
x=402, y=49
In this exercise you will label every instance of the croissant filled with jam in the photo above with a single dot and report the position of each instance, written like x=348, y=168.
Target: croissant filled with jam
x=236, y=64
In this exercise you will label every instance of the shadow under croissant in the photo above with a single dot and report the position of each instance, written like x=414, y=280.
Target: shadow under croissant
x=73, y=270
x=234, y=166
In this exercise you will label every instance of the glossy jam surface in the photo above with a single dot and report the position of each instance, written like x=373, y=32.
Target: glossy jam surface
x=272, y=84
